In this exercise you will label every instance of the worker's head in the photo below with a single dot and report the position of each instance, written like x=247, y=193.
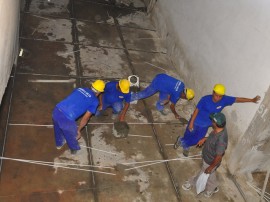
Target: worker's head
x=189, y=93
x=124, y=85
x=98, y=86
x=218, y=92
x=219, y=119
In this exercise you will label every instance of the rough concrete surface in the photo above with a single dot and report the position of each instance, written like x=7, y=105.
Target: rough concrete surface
x=66, y=49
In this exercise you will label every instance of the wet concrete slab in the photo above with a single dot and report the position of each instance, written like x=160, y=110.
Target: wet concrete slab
x=34, y=98
x=98, y=35
x=91, y=11
x=46, y=28
x=148, y=65
x=45, y=57
x=144, y=40
x=48, y=74
x=143, y=184
x=104, y=62
x=50, y=8
x=33, y=182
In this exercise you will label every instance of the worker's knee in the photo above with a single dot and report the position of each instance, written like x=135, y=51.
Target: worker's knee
x=117, y=107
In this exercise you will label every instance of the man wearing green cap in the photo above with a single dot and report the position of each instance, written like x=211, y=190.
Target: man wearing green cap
x=212, y=153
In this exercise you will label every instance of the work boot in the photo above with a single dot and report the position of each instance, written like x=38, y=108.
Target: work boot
x=114, y=116
x=60, y=147
x=186, y=186
x=208, y=194
x=186, y=152
x=177, y=143
x=74, y=152
x=164, y=112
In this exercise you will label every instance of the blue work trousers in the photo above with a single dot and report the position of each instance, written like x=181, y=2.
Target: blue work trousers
x=149, y=91
x=191, y=138
x=116, y=107
x=64, y=129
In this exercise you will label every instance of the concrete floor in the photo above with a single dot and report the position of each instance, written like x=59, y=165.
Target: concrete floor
x=76, y=42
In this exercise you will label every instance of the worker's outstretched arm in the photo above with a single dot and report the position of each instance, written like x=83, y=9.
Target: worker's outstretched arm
x=172, y=106
x=83, y=122
x=100, y=102
x=242, y=99
x=123, y=112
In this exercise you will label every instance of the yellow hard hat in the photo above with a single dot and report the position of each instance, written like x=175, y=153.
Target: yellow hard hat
x=219, y=89
x=190, y=93
x=124, y=85
x=98, y=85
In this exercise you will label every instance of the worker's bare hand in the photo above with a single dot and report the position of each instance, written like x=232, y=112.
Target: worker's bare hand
x=256, y=99
x=201, y=142
x=100, y=107
x=121, y=118
x=79, y=135
x=177, y=116
x=190, y=127
x=208, y=170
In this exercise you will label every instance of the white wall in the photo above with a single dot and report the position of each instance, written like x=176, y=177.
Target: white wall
x=9, y=32
x=220, y=42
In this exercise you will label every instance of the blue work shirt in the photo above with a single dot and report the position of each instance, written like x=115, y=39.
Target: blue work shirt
x=78, y=102
x=206, y=106
x=112, y=94
x=169, y=85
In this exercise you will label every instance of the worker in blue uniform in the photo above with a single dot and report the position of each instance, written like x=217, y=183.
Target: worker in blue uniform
x=170, y=90
x=81, y=102
x=116, y=96
x=200, y=122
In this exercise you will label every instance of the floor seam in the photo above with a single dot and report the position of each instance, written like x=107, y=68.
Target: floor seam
x=149, y=117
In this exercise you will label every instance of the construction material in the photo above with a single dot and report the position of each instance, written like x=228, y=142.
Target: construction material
x=134, y=85
x=264, y=185
x=159, y=161
x=120, y=129
x=266, y=197
x=201, y=182
x=51, y=164
x=140, y=136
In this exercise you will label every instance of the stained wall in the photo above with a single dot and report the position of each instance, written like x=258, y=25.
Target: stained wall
x=9, y=32
x=222, y=42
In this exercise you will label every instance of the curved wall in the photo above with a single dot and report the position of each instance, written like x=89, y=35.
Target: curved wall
x=220, y=42
x=225, y=42
x=9, y=34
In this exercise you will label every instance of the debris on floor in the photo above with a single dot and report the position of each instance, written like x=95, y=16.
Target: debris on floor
x=120, y=129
